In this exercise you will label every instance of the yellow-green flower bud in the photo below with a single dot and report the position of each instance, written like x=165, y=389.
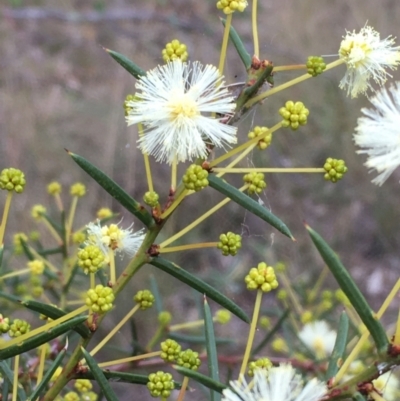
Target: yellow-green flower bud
x=326, y=305
x=175, y=50
x=266, y=139
x=91, y=258
x=189, y=359
x=78, y=189
x=230, y=6
x=306, y=317
x=12, y=179
x=327, y=295
x=36, y=266
x=164, y=318
x=151, y=198
x=282, y=294
x=341, y=297
x=37, y=291
x=54, y=188
x=38, y=211
x=279, y=345
x=18, y=249
x=315, y=65
x=229, y=243
x=170, y=350
x=71, y=396
x=83, y=385
x=261, y=277
x=160, y=384
x=34, y=235
x=18, y=327
x=261, y=363
x=223, y=316
x=195, y=178
x=79, y=237
x=144, y=298
x=100, y=299
x=4, y=324
x=294, y=114
x=104, y=212
x=256, y=182
x=335, y=169
x=89, y=396
x=264, y=322
x=280, y=267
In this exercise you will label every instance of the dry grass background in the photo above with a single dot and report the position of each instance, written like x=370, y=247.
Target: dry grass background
x=59, y=89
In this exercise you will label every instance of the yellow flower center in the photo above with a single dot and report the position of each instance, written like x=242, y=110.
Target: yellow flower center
x=354, y=51
x=182, y=107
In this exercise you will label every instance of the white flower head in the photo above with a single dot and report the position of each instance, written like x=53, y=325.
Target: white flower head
x=319, y=338
x=378, y=133
x=388, y=385
x=280, y=383
x=177, y=103
x=366, y=57
x=114, y=238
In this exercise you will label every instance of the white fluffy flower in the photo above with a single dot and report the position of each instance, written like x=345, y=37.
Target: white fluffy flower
x=177, y=103
x=319, y=338
x=378, y=133
x=115, y=238
x=388, y=384
x=366, y=57
x=280, y=383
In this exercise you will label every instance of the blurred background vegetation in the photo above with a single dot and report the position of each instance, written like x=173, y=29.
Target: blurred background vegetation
x=60, y=89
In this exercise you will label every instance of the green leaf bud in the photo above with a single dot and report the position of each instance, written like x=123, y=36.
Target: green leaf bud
x=256, y=182
x=335, y=169
x=151, y=198
x=266, y=139
x=223, y=316
x=144, y=298
x=189, y=359
x=229, y=243
x=99, y=299
x=315, y=65
x=170, y=350
x=160, y=384
x=91, y=258
x=175, y=50
x=293, y=114
x=12, y=179
x=261, y=277
x=261, y=363
x=195, y=178
x=18, y=327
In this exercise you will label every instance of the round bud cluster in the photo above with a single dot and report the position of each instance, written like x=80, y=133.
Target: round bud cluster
x=306, y=317
x=144, y=298
x=264, y=322
x=12, y=179
x=18, y=249
x=83, y=385
x=127, y=108
x=151, y=198
x=91, y=258
x=335, y=169
x=230, y=6
x=100, y=299
x=36, y=266
x=164, y=318
x=34, y=235
x=327, y=300
x=189, y=359
x=36, y=288
x=266, y=139
x=4, y=324
x=104, y=212
x=342, y=297
x=261, y=363
x=175, y=50
x=279, y=345
x=170, y=350
x=89, y=396
x=223, y=316
x=315, y=65
x=18, y=327
x=54, y=188
x=160, y=384
x=256, y=182
x=195, y=178
x=282, y=295
x=38, y=211
x=78, y=189
x=294, y=114
x=78, y=237
x=229, y=243
x=261, y=277
x=72, y=396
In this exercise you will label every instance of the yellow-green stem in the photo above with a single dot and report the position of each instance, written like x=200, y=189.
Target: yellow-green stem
x=114, y=330
x=15, y=381
x=289, y=67
x=244, y=145
x=59, y=203
x=174, y=173
x=158, y=334
x=113, y=276
x=186, y=325
x=225, y=43
x=188, y=247
x=17, y=273
x=146, y=163
x=254, y=28
x=292, y=295
x=288, y=84
x=240, y=170
x=52, y=231
x=43, y=349
x=174, y=204
x=375, y=396
x=396, y=340
x=129, y=359
x=315, y=290
x=42, y=259
x=182, y=392
x=5, y=216
x=92, y=281
x=252, y=332
x=70, y=220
